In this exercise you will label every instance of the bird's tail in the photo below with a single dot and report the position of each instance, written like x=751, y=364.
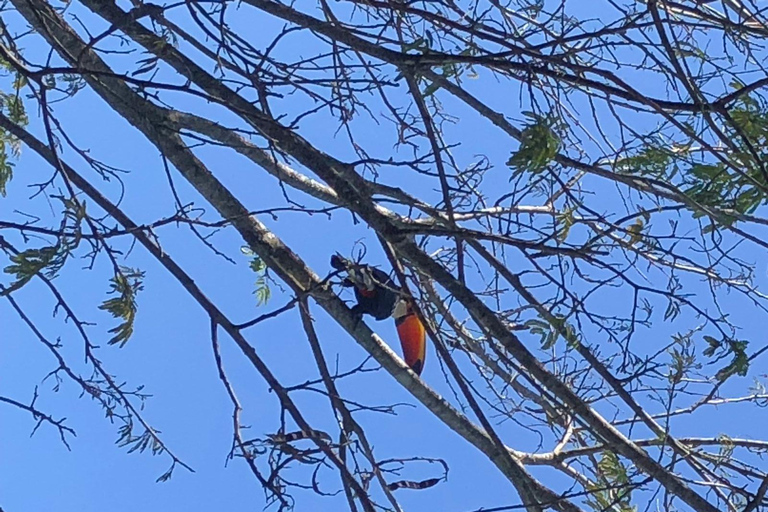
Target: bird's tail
x=413, y=336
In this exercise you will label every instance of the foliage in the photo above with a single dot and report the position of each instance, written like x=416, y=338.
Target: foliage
x=572, y=198
x=539, y=143
x=12, y=106
x=257, y=265
x=125, y=284
x=613, y=490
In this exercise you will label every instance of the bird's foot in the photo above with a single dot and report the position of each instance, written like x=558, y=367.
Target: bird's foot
x=358, y=314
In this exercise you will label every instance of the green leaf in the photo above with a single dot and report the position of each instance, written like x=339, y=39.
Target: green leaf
x=431, y=89
x=611, y=490
x=6, y=167
x=652, y=160
x=257, y=265
x=539, y=143
x=46, y=260
x=15, y=109
x=714, y=344
x=739, y=365
x=673, y=309
x=125, y=285
x=737, y=349
x=418, y=44
x=262, y=291
x=612, y=469
x=565, y=222
x=147, y=65
x=549, y=333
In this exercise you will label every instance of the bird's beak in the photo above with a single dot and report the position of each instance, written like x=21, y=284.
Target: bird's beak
x=401, y=309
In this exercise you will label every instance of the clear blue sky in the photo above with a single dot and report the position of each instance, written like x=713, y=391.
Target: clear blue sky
x=170, y=352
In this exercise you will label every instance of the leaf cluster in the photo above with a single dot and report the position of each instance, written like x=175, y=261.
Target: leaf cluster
x=736, y=349
x=125, y=285
x=262, y=290
x=11, y=106
x=539, y=143
x=613, y=489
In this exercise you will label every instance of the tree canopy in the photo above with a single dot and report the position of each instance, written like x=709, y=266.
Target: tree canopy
x=572, y=193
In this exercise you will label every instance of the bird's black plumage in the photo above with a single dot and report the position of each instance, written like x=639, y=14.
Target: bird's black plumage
x=375, y=292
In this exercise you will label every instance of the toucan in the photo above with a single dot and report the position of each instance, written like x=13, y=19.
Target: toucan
x=375, y=292
x=378, y=297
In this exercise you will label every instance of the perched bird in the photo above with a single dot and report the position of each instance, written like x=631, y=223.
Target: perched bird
x=375, y=292
x=378, y=297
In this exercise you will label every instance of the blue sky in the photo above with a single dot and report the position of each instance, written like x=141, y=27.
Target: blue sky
x=170, y=353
